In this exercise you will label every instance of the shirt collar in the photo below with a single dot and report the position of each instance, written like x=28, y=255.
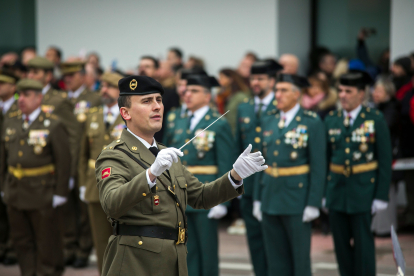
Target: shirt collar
x=265, y=101
x=113, y=109
x=146, y=144
x=76, y=94
x=46, y=88
x=198, y=115
x=33, y=115
x=354, y=113
x=7, y=104
x=289, y=115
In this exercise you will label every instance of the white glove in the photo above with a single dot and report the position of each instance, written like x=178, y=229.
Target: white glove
x=249, y=163
x=310, y=213
x=82, y=190
x=217, y=212
x=164, y=160
x=324, y=209
x=378, y=205
x=58, y=200
x=71, y=183
x=257, y=210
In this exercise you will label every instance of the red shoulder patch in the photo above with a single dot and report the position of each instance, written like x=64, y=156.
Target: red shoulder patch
x=106, y=172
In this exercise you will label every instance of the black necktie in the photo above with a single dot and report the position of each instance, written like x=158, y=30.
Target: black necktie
x=154, y=151
x=189, y=121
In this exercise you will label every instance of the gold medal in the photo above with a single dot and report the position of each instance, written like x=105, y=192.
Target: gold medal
x=294, y=155
x=247, y=120
x=363, y=147
x=281, y=124
x=81, y=117
x=38, y=149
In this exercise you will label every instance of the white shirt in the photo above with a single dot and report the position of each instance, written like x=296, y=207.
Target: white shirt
x=183, y=108
x=32, y=115
x=290, y=114
x=147, y=145
x=76, y=94
x=46, y=88
x=115, y=112
x=265, y=101
x=7, y=104
x=198, y=115
x=354, y=114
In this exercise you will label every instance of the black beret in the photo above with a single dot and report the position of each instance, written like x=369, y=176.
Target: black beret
x=299, y=81
x=355, y=78
x=139, y=85
x=203, y=80
x=192, y=71
x=268, y=66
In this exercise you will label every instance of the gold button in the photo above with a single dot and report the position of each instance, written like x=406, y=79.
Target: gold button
x=104, y=148
x=277, y=142
x=134, y=148
x=274, y=164
x=329, y=177
x=140, y=242
x=144, y=194
x=188, y=131
x=347, y=139
x=106, y=137
x=186, y=140
x=207, y=117
x=298, y=118
x=186, y=185
x=258, y=129
x=118, y=141
x=347, y=162
x=347, y=150
x=257, y=140
x=332, y=139
x=362, y=115
x=179, y=224
x=110, y=147
x=7, y=138
x=21, y=142
x=275, y=153
x=178, y=204
x=185, y=152
x=174, y=186
x=300, y=185
x=372, y=180
x=20, y=153
x=156, y=188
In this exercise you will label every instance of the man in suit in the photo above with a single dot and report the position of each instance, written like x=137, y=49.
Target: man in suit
x=248, y=131
x=77, y=233
x=290, y=190
x=209, y=156
x=359, y=153
x=144, y=189
x=8, y=107
x=103, y=125
x=35, y=170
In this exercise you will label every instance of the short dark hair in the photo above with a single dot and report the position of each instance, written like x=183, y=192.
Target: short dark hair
x=124, y=101
x=177, y=51
x=156, y=62
x=57, y=50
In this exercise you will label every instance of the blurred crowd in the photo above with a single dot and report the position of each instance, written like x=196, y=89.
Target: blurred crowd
x=392, y=93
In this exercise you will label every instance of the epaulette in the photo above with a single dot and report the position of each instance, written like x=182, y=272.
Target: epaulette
x=14, y=113
x=272, y=112
x=93, y=110
x=216, y=115
x=113, y=145
x=310, y=113
x=54, y=117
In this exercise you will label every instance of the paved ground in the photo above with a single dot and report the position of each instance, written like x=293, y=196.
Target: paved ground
x=234, y=257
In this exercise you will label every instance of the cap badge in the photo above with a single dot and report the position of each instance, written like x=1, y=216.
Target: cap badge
x=133, y=84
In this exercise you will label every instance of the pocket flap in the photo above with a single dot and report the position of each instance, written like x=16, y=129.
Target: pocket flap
x=181, y=182
x=145, y=243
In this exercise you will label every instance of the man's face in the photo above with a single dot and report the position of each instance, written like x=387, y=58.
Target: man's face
x=350, y=97
x=397, y=70
x=109, y=94
x=29, y=100
x=196, y=97
x=40, y=75
x=173, y=59
x=7, y=90
x=286, y=96
x=181, y=88
x=28, y=55
x=52, y=56
x=145, y=114
x=147, y=68
x=261, y=84
x=73, y=81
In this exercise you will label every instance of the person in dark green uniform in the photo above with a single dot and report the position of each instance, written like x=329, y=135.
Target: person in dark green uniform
x=207, y=157
x=248, y=131
x=290, y=191
x=359, y=153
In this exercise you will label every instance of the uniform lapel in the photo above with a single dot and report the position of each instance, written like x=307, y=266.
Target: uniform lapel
x=358, y=120
x=271, y=106
x=294, y=123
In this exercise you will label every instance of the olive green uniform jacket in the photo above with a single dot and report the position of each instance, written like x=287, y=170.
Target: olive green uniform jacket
x=125, y=196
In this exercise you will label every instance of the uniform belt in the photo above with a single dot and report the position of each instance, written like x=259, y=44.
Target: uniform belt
x=91, y=163
x=203, y=169
x=276, y=172
x=31, y=172
x=348, y=170
x=160, y=232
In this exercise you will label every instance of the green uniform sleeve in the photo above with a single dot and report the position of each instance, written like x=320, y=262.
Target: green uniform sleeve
x=384, y=157
x=62, y=159
x=83, y=160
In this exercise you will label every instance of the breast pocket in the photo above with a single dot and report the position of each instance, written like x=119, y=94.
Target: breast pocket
x=182, y=191
x=157, y=203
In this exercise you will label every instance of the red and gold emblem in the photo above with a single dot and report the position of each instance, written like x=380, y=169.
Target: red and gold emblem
x=156, y=200
x=106, y=172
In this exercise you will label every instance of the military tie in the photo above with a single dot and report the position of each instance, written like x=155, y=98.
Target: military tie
x=26, y=123
x=347, y=121
x=154, y=151
x=259, y=111
x=108, y=121
x=189, y=121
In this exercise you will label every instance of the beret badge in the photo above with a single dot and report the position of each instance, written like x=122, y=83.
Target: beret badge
x=133, y=84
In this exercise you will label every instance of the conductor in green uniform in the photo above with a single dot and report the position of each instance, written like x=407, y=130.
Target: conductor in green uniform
x=144, y=188
x=248, y=131
x=290, y=190
x=359, y=155
x=207, y=157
